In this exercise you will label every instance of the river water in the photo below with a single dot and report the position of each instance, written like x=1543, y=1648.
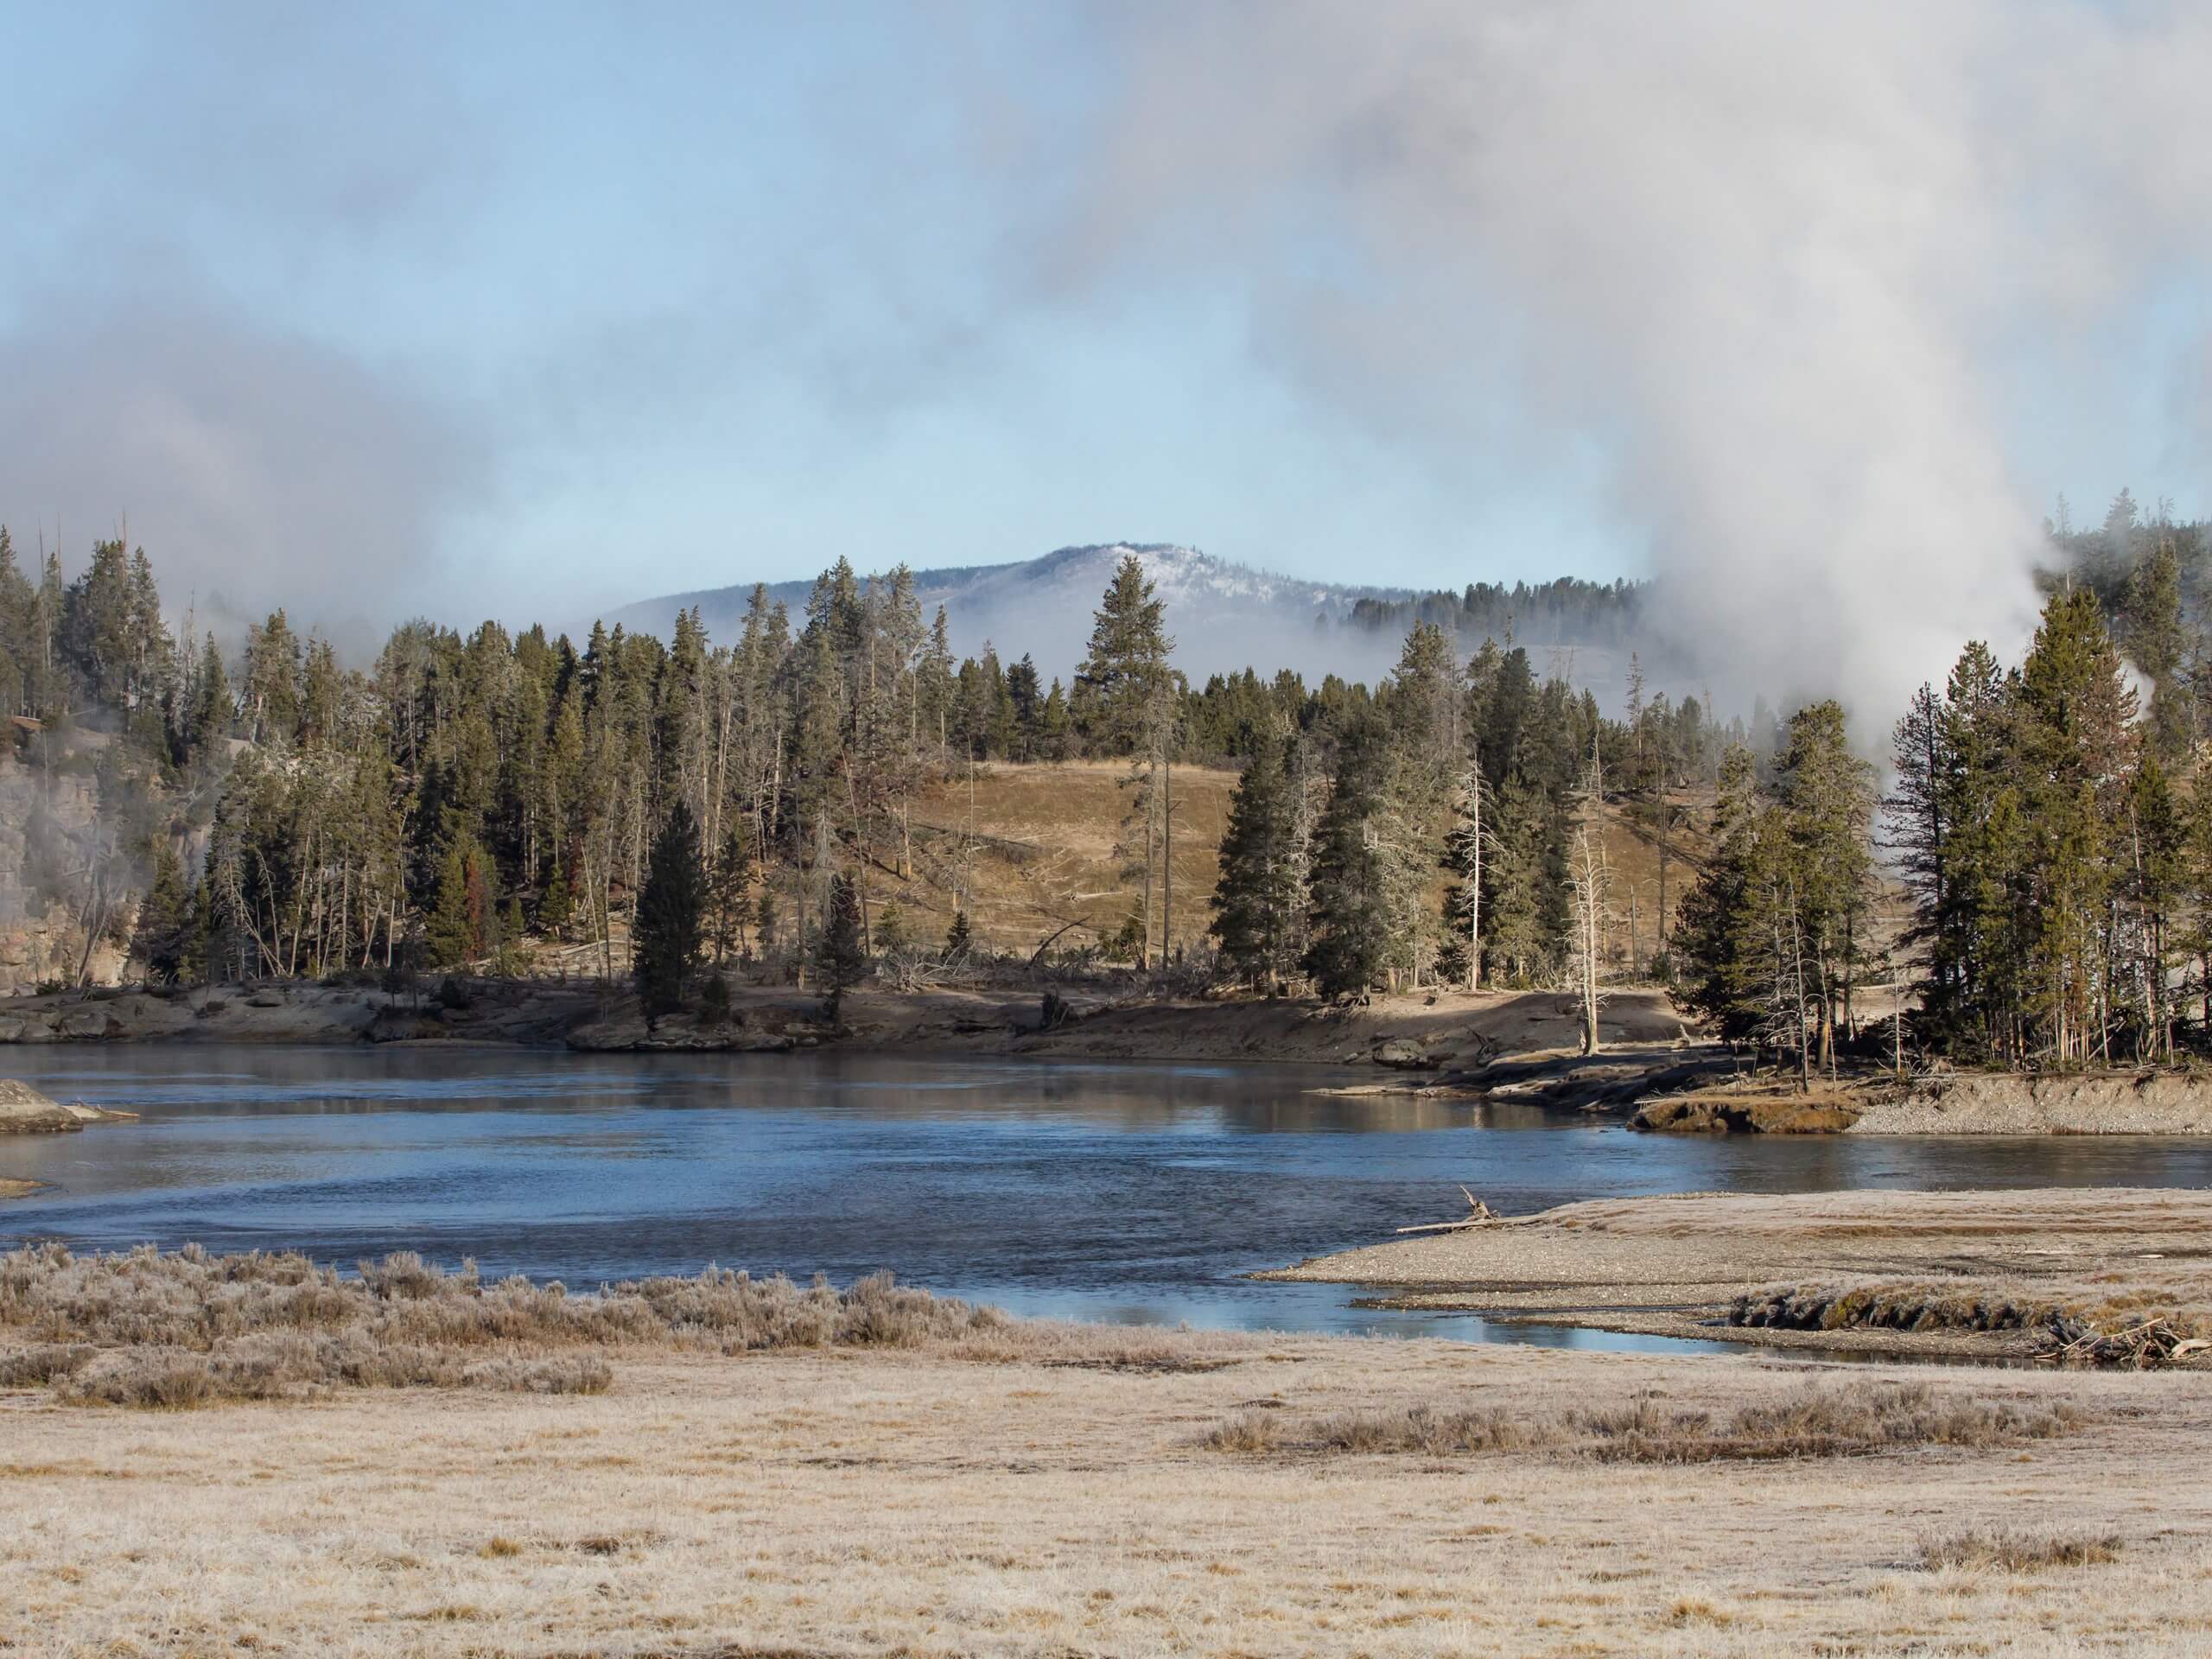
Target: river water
x=1107, y=1191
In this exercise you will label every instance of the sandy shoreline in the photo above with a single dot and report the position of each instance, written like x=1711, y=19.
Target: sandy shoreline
x=1959, y=1274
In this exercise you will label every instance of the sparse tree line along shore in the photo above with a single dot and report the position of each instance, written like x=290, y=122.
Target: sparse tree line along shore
x=270, y=812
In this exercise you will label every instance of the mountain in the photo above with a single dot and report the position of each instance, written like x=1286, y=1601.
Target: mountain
x=1223, y=616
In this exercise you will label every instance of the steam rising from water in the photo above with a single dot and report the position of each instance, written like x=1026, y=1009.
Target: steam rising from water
x=1767, y=273
x=1767, y=256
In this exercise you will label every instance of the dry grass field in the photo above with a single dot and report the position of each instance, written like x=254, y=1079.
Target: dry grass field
x=762, y=1471
x=1042, y=840
x=880, y=1503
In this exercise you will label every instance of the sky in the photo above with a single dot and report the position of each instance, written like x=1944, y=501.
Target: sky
x=526, y=310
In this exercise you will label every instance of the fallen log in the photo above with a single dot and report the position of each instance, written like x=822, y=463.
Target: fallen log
x=1478, y=1214
x=2154, y=1343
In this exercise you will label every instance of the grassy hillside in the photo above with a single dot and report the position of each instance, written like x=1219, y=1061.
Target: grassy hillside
x=1034, y=847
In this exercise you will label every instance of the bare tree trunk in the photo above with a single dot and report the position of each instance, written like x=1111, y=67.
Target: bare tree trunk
x=1589, y=923
x=1147, y=964
x=1167, y=851
x=1475, y=883
x=1797, y=960
x=798, y=821
x=852, y=800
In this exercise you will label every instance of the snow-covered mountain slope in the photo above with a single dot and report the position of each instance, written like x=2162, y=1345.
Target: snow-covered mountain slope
x=1223, y=616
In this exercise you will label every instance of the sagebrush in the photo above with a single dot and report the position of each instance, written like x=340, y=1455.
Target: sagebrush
x=150, y=1328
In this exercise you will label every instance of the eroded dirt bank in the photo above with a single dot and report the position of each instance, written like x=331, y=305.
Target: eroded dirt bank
x=1966, y=1103
x=1975, y=1103
x=1972, y=1275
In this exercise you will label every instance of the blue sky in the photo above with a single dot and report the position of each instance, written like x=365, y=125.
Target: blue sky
x=582, y=304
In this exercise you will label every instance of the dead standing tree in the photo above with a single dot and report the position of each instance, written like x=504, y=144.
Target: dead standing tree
x=1590, y=879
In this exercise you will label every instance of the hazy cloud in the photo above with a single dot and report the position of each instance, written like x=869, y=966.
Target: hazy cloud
x=262, y=468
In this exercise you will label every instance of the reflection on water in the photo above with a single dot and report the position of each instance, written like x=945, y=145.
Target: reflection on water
x=1134, y=1192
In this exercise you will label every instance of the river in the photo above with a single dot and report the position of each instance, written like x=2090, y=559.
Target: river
x=1107, y=1191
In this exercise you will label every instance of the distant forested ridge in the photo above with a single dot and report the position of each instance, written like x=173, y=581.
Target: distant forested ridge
x=266, y=808
x=1564, y=610
x=1228, y=615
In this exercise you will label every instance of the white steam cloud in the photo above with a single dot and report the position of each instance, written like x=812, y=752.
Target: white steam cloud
x=1772, y=260
x=258, y=470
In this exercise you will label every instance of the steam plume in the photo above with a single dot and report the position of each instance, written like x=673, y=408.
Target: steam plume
x=1767, y=257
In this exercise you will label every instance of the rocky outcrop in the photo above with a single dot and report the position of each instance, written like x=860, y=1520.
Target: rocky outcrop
x=1406, y=1054
x=23, y=1110
x=41, y=942
x=86, y=1025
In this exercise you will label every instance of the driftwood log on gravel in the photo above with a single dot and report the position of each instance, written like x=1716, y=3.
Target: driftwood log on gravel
x=1478, y=1214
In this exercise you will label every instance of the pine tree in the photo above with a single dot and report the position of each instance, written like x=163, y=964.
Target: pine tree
x=1259, y=897
x=1350, y=947
x=558, y=902
x=272, y=680
x=727, y=892
x=1421, y=707
x=2193, y=938
x=840, y=957
x=891, y=929
x=2155, y=887
x=1916, y=827
x=1525, y=882
x=1826, y=794
x=17, y=602
x=1969, y=902
x=162, y=940
x=958, y=937
x=2153, y=618
x=514, y=955
x=1720, y=935
x=213, y=709
x=1117, y=687
x=1126, y=703
x=1469, y=839
x=2077, y=749
x=665, y=948
x=458, y=930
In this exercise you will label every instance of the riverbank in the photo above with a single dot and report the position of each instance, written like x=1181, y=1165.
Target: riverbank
x=1432, y=1035
x=1953, y=1102
x=1055, y=1489
x=1992, y=1275
x=1511, y=1047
